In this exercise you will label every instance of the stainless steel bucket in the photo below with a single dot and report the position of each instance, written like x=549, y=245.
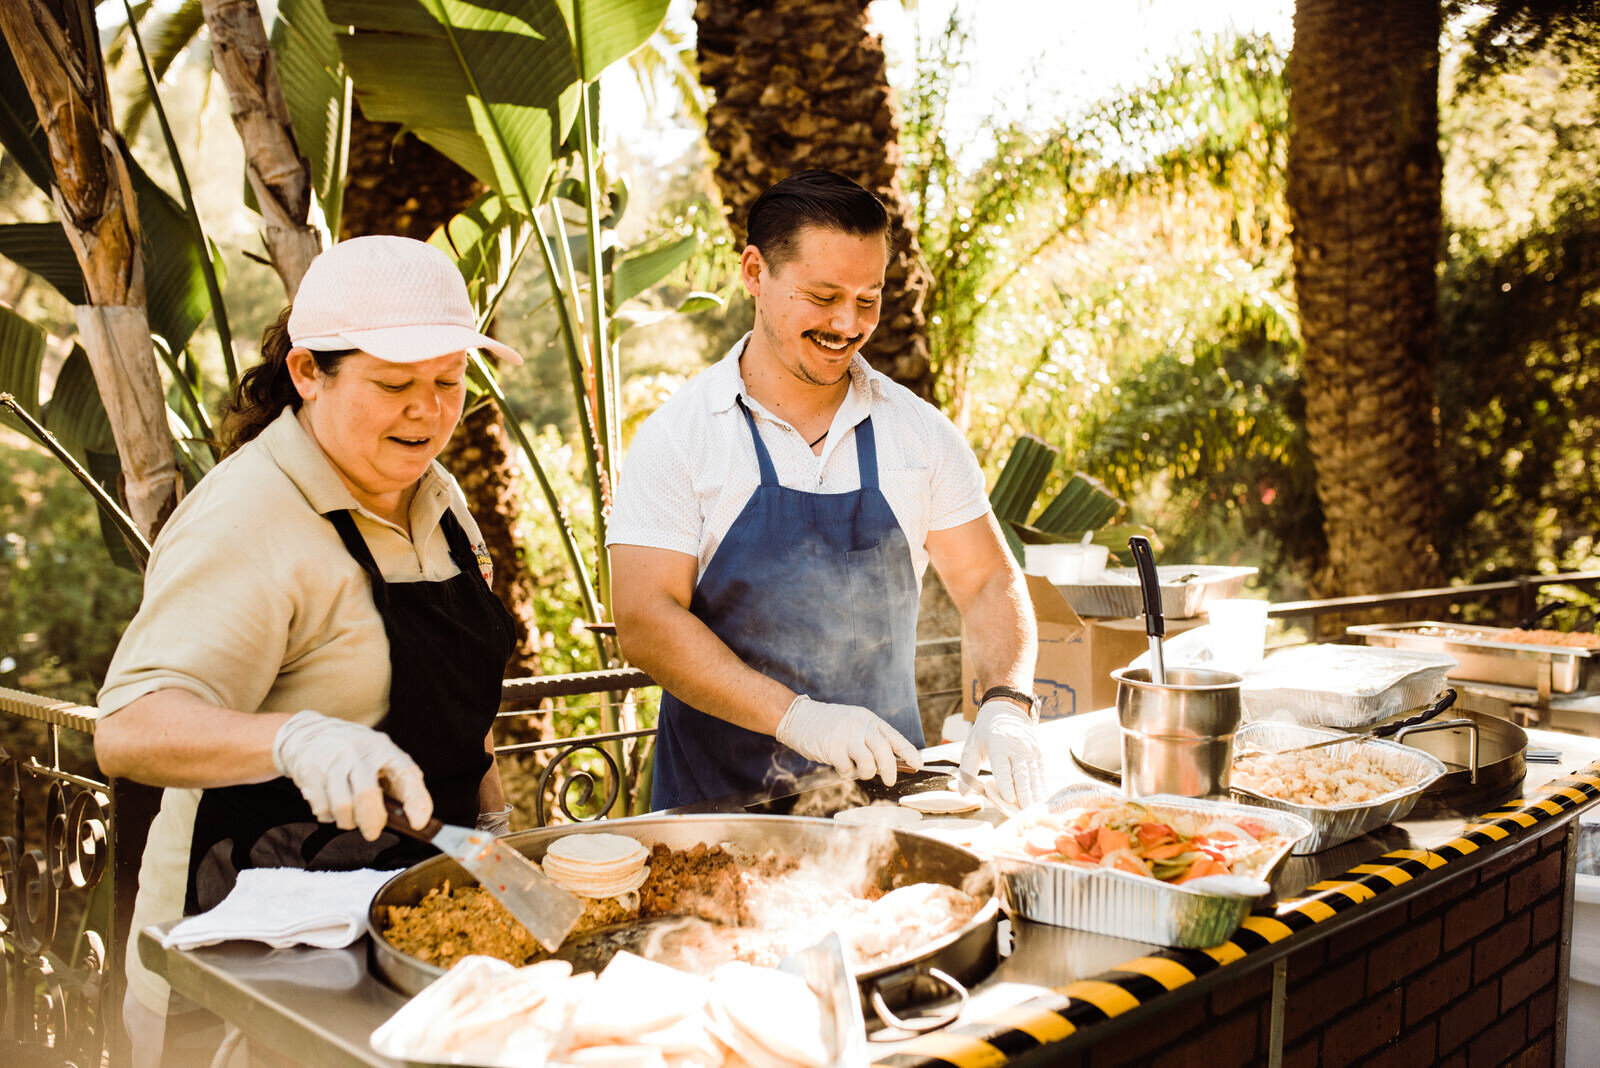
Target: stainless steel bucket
x=1177, y=738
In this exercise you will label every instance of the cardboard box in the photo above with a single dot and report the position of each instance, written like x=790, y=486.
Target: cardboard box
x=1076, y=656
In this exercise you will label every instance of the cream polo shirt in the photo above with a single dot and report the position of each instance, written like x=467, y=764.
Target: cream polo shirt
x=252, y=602
x=691, y=468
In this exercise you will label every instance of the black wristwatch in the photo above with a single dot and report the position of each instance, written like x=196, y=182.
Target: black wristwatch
x=1027, y=699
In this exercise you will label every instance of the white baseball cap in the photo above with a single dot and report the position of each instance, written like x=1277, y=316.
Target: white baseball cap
x=396, y=298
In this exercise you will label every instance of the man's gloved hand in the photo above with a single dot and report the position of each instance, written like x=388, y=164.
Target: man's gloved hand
x=496, y=823
x=856, y=742
x=343, y=770
x=1005, y=735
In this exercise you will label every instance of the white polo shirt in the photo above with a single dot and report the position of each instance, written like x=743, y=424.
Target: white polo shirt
x=252, y=602
x=692, y=468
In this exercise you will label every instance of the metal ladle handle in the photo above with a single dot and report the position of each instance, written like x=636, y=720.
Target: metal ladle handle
x=1448, y=724
x=1155, y=624
x=925, y=1023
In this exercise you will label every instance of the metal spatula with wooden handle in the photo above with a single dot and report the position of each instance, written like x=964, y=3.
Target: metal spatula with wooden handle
x=547, y=910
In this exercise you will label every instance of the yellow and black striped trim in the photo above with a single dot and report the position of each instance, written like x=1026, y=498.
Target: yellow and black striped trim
x=1055, y=1016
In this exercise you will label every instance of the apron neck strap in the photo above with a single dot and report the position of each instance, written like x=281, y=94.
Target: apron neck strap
x=356, y=545
x=867, y=453
x=769, y=474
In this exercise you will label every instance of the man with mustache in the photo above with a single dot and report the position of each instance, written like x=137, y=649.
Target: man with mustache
x=772, y=524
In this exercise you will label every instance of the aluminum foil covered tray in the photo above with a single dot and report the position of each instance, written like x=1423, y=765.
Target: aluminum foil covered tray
x=1185, y=588
x=1332, y=825
x=1346, y=686
x=1137, y=907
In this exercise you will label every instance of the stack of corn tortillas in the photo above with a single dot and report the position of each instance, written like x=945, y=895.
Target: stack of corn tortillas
x=597, y=865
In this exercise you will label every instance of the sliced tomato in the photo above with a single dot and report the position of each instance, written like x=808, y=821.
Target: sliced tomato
x=1111, y=840
x=1155, y=833
x=1067, y=846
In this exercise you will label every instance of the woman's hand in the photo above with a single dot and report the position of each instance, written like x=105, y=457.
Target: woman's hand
x=343, y=769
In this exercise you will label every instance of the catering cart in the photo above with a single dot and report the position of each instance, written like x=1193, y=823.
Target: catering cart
x=1436, y=936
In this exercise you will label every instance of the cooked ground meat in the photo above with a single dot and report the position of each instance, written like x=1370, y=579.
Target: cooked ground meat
x=714, y=884
x=708, y=882
x=447, y=925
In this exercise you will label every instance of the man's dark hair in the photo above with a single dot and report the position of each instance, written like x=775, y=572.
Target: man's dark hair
x=812, y=198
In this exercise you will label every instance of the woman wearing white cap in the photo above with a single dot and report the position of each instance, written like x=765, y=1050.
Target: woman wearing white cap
x=317, y=628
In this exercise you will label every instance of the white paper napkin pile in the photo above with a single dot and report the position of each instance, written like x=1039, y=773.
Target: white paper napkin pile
x=286, y=907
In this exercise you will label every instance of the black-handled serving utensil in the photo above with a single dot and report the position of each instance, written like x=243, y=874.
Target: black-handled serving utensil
x=1155, y=625
x=548, y=910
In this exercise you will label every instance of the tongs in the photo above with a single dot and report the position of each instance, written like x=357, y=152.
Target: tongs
x=1444, y=702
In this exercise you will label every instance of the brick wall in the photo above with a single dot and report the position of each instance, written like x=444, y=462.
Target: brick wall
x=1463, y=976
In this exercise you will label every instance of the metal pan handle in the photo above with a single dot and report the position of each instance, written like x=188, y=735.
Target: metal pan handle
x=922, y=1024
x=1396, y=729
x=1447, y=724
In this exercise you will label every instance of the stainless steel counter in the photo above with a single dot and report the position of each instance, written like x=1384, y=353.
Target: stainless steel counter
x=319, y=1006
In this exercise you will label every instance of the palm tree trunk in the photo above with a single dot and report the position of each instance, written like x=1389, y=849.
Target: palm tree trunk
x=1364, y=203
x=800, y=86
x=278, y=174
x=56, y=45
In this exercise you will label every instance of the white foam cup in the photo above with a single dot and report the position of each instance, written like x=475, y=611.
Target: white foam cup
x=1238, y=628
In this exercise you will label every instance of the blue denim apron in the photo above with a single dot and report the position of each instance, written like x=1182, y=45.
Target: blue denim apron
x=816, y=590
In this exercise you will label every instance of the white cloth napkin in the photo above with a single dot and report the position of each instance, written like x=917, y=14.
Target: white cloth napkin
x=286, y=907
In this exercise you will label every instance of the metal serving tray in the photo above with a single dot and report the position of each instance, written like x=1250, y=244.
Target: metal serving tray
x=1483, y=655
x=1349, y=687
x=1117, y=594
x=1332, y=825
x=1132, y=906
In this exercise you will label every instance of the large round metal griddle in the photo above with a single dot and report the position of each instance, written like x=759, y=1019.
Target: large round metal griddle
x=1501, y=763
x=899, y=858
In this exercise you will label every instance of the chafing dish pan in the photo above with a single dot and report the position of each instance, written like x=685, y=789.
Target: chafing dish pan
x=1131, y=906
x=1333, y=824
x=965, y=955
x=1484, y=655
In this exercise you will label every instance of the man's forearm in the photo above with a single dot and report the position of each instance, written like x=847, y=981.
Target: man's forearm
x=999, y=634
x=682, y=654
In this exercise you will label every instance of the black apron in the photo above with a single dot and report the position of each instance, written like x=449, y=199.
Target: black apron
x=448, y=646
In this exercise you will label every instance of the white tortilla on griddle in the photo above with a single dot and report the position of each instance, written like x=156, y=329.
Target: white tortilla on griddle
x=955, y=830
x=878, y=816
x=942, y=802
x=776, y=1009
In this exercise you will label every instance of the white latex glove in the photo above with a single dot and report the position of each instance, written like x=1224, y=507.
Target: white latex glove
x=1004, y=735
x=343, y=769
x=856, y=742
x=496, y=823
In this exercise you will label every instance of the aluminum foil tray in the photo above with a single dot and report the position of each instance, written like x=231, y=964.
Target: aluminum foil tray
x=1117, y=593
x=1131, y=906
x=1483, y=654
x=1350, y=687
x=1332, y=825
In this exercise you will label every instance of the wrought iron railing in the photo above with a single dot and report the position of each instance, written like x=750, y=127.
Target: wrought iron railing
x=66, y=894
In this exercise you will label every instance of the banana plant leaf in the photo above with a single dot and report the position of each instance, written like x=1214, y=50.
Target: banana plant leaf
x=607, y=30
x=494, y=88
x=75, y=414
x=638, y=273
x=21, y=356
x=43, y=248
x=20, y=133
x=315, y=86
